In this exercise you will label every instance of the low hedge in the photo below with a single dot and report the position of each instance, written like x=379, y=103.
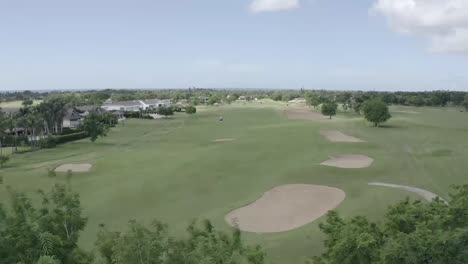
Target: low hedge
x=8, y=141
x=70, y=137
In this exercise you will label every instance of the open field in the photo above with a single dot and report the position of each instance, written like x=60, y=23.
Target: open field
x=172, y=170
x=16, y=104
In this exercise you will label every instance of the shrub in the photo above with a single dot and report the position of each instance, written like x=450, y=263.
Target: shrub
x=190, y=109
x=68, y=131
x=48, y=142
x=51, y=172
x=3, y=159
x=165, y=111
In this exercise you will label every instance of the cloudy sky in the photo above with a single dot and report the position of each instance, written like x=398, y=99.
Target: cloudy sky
x=315, y=44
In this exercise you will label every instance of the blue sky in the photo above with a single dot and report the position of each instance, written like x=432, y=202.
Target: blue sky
x=315, y=44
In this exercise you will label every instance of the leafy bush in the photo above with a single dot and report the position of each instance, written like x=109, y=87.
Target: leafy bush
x=144, y=115
x=68, y=131
x=48, y=142
x=165, y=111
x=190, y=109
x=51, y=172
x=3, y=159
x=9, y=140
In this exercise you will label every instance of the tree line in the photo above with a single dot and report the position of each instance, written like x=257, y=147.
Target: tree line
x=39, y=124
x=196, y=96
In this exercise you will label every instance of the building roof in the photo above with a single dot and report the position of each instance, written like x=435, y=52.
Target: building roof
x=87, y=108
x=124, y=103
x=71, y=114
x=9, y=110
x=156, y=101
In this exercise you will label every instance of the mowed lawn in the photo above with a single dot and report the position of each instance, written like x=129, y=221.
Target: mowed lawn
x=171, y=170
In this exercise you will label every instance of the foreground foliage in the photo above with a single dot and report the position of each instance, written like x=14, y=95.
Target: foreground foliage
x=412, y=233
x=51, y=229
x=48, y=234
x=153, y=244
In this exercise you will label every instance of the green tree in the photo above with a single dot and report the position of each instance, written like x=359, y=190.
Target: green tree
x=94, y=126
x=329, y=109
x=154, y=245
x=165, y=111
x=190, y=109
x=465, y=102
x=29, y=233
x=312, y=100
x=3, y=159
x=411, y=233
x=376, y=112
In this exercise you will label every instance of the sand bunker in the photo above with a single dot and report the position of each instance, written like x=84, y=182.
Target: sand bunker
x=74, y=168
x=286, y=207
x=224, y=139
x=427, y=195
x=337, y=136
x=304, y=114
x=405, y=112
x=348, y=161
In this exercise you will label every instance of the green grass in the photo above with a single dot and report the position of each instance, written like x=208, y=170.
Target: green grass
x=16, y=104
x=170, y=169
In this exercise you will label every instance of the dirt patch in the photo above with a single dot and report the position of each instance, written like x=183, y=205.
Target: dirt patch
x=348, y=161
x=304, y=114
x=427, y=195
x=224, y=139
x=286, y=207
x=337, y=136
x=74, y=167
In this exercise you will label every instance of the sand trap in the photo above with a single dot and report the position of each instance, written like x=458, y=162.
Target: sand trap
x=224, y=139
x=304, y=114
x=337, y=136
x=427, y=195
x=405, y=112
x=74, y=168
x=286, y=207
x=348, y=161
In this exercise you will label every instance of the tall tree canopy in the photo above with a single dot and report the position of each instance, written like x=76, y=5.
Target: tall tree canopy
x=411, y=233
x=95, y=126
x=329, y=109
x=376, y=112
x=52, y=229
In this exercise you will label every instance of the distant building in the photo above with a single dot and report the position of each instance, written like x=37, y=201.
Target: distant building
x=155, y=103
x=74, y=117
x=136, y=105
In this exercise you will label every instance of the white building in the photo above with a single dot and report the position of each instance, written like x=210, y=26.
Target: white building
x=136, y=105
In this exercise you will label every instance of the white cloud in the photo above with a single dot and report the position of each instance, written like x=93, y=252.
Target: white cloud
x=258, y=6
x=443, y=22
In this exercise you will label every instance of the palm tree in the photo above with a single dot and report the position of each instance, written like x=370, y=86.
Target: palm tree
x=33, y=122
